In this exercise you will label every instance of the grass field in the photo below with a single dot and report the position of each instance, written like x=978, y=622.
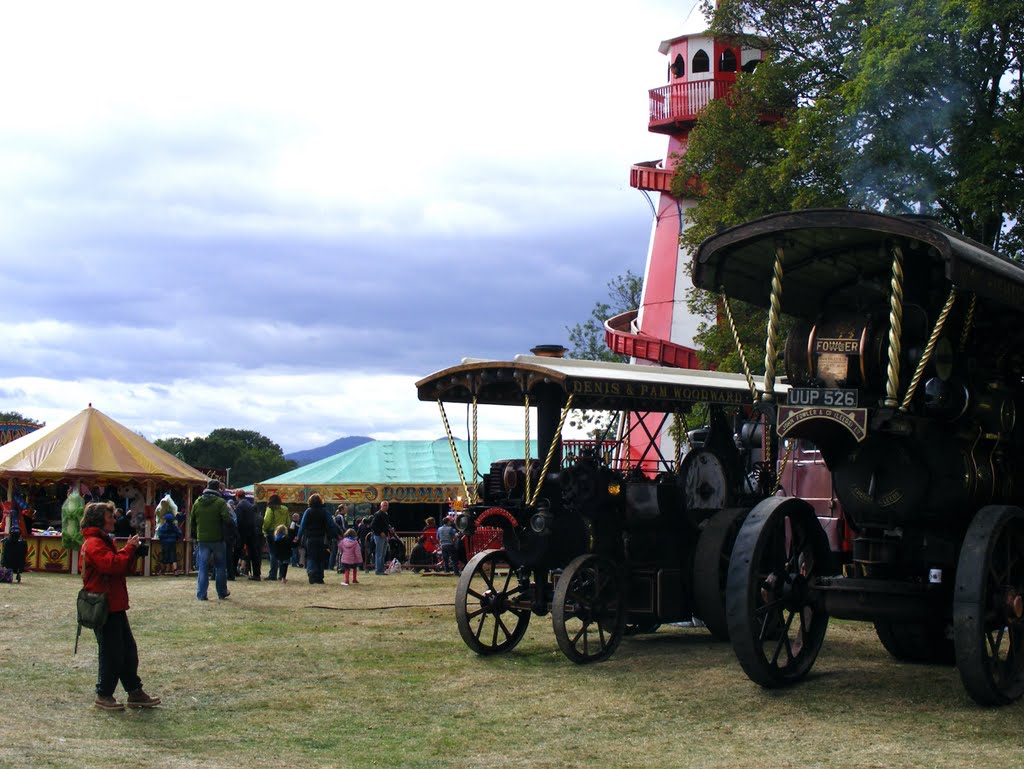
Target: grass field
x=376, y=676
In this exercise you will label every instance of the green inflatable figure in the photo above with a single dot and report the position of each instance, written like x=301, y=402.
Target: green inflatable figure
x=71, y=520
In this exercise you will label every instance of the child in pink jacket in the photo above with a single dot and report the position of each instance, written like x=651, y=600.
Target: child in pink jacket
x=350, y=555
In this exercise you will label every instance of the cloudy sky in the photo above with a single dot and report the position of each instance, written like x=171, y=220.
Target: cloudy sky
x=279, y=216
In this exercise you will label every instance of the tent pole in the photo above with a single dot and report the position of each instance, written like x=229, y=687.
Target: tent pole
x=77, y=486
x=188, y=529
x=147, y=566
x=5, y=520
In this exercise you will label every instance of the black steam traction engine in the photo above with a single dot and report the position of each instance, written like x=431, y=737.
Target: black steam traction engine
x=905, y=367
x=613, y=537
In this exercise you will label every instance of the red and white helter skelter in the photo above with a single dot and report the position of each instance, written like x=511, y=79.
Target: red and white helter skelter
x=700, y=69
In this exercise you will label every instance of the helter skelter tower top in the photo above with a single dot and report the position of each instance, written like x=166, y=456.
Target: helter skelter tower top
x=700, y=69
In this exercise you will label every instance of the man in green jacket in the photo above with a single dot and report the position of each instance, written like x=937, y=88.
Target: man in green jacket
x=210, y=518
x=276, y=515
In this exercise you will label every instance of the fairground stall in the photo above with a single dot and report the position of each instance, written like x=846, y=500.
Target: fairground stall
x=419, y=479
x=94, y=456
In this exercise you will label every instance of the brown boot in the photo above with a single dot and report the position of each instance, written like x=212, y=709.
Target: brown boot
x=139, y=699
x=108, y=703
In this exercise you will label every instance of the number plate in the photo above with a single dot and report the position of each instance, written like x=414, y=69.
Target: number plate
x=822, y=396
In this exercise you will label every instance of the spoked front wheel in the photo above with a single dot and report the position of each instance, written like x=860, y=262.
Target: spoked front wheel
x=988, y=606
x=588, y=609
x=487, y=604
x=776, y=616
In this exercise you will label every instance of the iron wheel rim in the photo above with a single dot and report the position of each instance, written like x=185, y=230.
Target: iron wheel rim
x=484, y=598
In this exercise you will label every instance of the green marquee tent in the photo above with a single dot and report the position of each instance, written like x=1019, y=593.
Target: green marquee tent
x=398, y=471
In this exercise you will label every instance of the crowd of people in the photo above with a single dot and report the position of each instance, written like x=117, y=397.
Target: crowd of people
x=227, y=534
x=229, y=539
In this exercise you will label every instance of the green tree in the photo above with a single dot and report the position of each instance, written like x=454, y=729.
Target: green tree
x=18, y=417
x=904, y=106
x=251, y=456
x=588, y=343
x=587, y=338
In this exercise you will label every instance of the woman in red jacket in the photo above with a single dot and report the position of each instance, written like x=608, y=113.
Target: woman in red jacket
x=103, y=571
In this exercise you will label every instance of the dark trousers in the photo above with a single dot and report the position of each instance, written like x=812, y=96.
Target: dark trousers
x=449, y=558
x=118, y=656
x=231, y=562
x=332, y=558
x=274, y=562
x=316, y=557
x=254, y=553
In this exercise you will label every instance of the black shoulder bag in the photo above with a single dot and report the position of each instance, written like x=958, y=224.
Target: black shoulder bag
x=92, y=609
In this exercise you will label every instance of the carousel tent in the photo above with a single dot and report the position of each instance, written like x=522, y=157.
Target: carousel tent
x=398, y=471
x=94, y=448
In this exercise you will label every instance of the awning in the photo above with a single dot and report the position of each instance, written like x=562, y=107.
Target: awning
x=398, y=471
x=594, y=384
x=91, y=447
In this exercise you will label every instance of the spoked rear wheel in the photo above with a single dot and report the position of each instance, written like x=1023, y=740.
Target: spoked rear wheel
x=711, y=568
x=588, y=609
x=777, y=619
x=988, y=606
x=489, y=620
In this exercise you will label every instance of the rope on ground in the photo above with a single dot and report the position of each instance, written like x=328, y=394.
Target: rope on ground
x=383, y=608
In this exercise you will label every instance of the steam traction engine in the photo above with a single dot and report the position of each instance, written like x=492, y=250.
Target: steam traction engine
x=604, y=547
x=905, y=368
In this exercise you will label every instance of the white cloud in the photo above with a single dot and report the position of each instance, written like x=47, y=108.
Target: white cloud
x=296, y=410
x=238, y=214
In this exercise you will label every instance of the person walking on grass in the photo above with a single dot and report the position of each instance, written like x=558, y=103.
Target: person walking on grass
x=339, y=520
x=280, y=545
x=446, y=538
x=380, y=525
x=315, y=529
x=210, y=520
x=168, y=533
x=364, y=535
x=251, y=534
x=103, y=571
x=276, y=515
x=298, y=551
x=350, y=555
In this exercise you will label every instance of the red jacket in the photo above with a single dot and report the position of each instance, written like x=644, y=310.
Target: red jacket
x=104, y=567
x=430, y=545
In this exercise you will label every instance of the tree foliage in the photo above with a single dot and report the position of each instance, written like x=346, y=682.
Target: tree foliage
x=19, y=418
x=251, y=456
x=588, y=343
x=587, y=338
x=902, y=106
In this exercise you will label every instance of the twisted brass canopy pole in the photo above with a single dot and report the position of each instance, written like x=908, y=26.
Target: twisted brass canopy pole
x=476, y=451
x=738, y=343
x=455, y=451
x=928, y=350
x=892, y=381
x=968, y=322
x=531, y=501
x=526, y=449
x=772, y=333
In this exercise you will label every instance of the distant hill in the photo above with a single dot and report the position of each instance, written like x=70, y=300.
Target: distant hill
x=307, y=456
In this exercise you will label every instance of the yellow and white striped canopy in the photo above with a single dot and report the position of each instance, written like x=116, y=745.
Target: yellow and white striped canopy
x=91, y=447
